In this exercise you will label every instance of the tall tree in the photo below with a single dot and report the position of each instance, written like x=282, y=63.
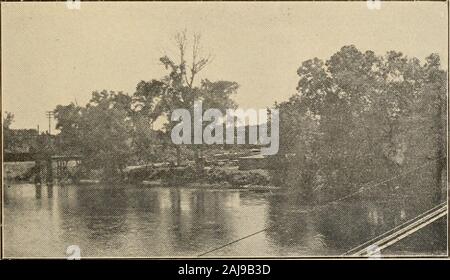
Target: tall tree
x=8, y=119
x=179, y=89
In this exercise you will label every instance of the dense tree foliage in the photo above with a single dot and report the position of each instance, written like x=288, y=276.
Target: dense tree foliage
x=100, y=132
x=359, y=118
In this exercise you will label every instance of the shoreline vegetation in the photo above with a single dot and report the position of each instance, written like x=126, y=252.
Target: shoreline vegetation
x=213, y=178
x=229, y=177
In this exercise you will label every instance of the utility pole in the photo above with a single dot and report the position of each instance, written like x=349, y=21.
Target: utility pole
x=50, y=115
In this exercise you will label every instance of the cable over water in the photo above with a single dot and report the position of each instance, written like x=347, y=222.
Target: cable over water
x=363, y=187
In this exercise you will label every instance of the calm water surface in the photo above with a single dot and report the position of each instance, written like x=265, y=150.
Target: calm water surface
x=135, y=221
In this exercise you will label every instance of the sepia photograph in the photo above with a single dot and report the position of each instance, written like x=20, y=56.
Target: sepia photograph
x=224, y=130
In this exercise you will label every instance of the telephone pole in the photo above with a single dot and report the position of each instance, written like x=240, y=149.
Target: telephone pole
x=50, y=115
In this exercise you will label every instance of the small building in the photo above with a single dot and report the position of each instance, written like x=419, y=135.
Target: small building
x=253, y=162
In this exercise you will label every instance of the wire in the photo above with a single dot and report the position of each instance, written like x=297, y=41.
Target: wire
x=361, y=189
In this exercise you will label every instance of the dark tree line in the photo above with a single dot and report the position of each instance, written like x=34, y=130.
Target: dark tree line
x=359, y=117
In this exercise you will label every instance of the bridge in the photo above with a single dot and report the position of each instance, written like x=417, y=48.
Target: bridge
x=43, y=164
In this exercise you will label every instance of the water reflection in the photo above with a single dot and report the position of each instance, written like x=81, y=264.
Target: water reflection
x=132, y=221
x=50, y=190
x=38, y=191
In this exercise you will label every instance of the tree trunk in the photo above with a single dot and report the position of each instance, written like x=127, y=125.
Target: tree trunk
x=178, y=155
x=197, y=159
x=440, y=154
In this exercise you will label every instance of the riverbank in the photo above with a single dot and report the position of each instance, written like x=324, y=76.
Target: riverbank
x=225, y=177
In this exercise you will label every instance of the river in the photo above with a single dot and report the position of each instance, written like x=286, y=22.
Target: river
x=137, y=221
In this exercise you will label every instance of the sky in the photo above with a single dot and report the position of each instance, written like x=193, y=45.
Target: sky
x=54, y=55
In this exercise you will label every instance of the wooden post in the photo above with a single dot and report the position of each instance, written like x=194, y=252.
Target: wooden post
x=49, y=170
x=37, y=177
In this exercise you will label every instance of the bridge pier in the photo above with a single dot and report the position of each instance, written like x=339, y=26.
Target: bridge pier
x=49, y=171
x=37, y=177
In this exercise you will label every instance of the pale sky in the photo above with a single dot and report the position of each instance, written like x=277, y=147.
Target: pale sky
x=52, y=55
